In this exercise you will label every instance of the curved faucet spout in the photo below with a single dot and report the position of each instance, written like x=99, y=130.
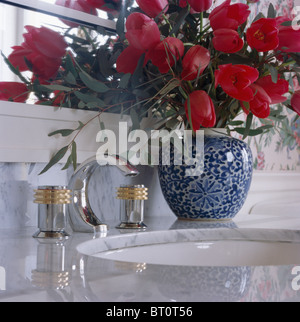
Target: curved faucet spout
x=81, y=216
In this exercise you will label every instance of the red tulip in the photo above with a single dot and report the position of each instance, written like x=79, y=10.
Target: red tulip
x=235, y=80
x=128, y=60
x=163, y=54
x=82, y=6
x=295, y=102
x=259, y=105
x=229, y=16
x=43, y=48
x=200, y=5
x=202, y=110
x=184, y=3
x=45, y=42
x=289, y=39
x=227, y=40
x=194, y=62
x=43, y=67
x=15, y=91
x=274, y=90
x=142, y=32
x=17, y=57
x=262, y=35
x=153, y=7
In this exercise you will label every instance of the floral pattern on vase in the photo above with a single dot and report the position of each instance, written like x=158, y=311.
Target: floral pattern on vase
x=220, y=191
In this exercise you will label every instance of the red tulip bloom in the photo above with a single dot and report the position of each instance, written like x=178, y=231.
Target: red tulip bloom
x=163, y=54
x=153, y=7
x=45, y=42
x=235, y=80
x=128, y=60
x=14, y=91
x=227, y=40
x=260, y=104
x=184, y=3
x=82, y=6
x=142, y=32
x=43, y=48
x=17, y=57
x=295, y=102
x=43, y=67
x=194, y=62
x=202, y=110
x=229, y=16
x=274, y=90
x=263, y=35
x=200, y=5
x=289, y=39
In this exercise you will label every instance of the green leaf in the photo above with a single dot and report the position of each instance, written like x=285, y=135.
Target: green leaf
x=236, y=123
x=248, y=125
x=93, y=83
x=138, y=71
x=241, y=130
x=55, y=159
x=287, y=23
x=88, y=98
x=190, y=114
x=120, y=25
x=70, y=66
x=74, y=155
x=68, y=163
x=124, y=81
x=135, y=119
x=80, y=126
x=67, y=132
x=274, y=73
x=70, y=78
x=56, y=87
x=260, y=15
x=271, y=11
x=63, y=132
x=180, y=19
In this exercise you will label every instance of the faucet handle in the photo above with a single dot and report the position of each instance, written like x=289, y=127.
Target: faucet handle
x=52, y=202
x=132, y=206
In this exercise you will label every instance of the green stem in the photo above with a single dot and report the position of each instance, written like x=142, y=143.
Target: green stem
x=201, y=22
x=182, y=92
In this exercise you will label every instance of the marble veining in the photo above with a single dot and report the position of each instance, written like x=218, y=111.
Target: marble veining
x=34, y=271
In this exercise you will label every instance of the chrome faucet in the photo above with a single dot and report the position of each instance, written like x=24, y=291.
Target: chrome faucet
x=81, y=216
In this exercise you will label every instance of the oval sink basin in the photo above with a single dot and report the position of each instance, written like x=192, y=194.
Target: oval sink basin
x=212, y=253
x=196, y=247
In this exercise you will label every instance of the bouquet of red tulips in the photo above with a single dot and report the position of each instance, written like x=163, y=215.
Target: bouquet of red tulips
x=181, y=62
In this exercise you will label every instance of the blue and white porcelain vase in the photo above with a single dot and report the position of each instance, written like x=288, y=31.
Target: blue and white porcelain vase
x=220, y=191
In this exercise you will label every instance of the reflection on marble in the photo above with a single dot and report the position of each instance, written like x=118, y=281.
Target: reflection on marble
x=17, y=181
x=35, y=271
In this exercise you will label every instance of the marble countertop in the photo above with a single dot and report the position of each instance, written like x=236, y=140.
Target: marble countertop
x=37, y=270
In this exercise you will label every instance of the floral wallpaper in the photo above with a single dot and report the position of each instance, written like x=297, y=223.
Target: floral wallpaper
x=278, y=150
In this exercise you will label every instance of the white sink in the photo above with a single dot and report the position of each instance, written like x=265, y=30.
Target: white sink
x=212, y=253
x=196, y=247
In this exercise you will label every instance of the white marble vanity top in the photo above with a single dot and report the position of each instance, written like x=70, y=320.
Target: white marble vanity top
x=32, y=270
